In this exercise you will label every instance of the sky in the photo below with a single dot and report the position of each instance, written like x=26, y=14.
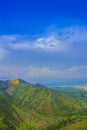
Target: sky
x=43, y=40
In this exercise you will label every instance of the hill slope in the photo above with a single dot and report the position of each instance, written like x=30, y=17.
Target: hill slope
x=10, y=114
x=44, y=100
x=78, y=92
x=49, y=109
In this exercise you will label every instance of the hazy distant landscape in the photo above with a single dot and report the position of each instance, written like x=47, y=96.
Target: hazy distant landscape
x=69, y=83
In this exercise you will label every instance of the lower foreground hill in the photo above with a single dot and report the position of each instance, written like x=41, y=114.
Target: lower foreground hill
x=36, y=105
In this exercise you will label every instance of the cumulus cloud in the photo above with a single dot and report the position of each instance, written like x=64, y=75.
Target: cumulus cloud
x=63, y=39
x=50, y=43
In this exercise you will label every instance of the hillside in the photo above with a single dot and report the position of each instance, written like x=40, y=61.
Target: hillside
x=10, y=113
x=78, y=92
x=45, y=101
x=23, y=105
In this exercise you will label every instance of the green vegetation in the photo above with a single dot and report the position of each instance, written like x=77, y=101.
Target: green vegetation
x=82, y=125
x=79, y=92
x=3, y=126
x=44, y=101
x=26, y=126
x=24, y=106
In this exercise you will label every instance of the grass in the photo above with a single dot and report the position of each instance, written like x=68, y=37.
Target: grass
x=82, y=125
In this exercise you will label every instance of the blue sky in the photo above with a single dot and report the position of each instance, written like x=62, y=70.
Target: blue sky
x=43, y=40
x=34, y=16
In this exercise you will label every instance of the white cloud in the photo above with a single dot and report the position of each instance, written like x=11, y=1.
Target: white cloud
x=62, y=40
x=49, y=72
x=25, y=71
x=50, y=43
x=20, y=46
x=40, y=72
x=32, y=72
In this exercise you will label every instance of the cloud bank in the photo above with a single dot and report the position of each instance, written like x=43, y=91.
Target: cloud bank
x=67, y=47
x=30, y=72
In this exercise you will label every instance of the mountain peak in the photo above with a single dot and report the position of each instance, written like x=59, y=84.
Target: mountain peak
x=17, y=81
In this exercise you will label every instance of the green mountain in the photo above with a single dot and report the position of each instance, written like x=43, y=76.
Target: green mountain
x=44, y=101
x=37, y=106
